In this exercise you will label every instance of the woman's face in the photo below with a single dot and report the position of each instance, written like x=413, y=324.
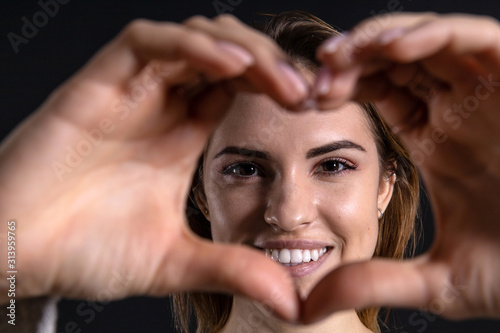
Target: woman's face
x=295, y=185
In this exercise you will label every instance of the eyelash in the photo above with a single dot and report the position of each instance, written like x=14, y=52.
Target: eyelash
x=227, y=170
x=346, y=165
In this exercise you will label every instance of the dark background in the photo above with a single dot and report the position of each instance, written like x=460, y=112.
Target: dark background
x=80, y=28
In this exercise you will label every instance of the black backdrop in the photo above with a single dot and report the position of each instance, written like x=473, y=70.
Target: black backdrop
x=66, y=39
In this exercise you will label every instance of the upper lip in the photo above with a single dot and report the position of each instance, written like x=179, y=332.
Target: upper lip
x=292, y=244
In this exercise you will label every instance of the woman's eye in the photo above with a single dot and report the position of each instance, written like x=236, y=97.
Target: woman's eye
x=334, y=166
x=242, y=170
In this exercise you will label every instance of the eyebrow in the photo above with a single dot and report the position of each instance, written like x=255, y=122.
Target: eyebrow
x=232, y=150
x=342, y=144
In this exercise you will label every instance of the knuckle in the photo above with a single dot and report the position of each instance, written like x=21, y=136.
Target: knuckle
x=492, y=25
x=135, y=26
x=132, y=32
x=430, y=16
x=491, y=32
x=193, y=36
x=195, y=21
x=226, y=18
x=264, y=50
x=136, y=29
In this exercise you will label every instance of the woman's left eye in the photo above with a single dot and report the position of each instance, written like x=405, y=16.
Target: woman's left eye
x=242, y=170
x=335, y=166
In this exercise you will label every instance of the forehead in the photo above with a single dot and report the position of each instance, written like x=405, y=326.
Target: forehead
x=257, y=121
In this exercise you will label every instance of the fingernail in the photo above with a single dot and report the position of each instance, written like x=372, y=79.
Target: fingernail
x=331, y=45
x=293, y=77
x=391, y=35
x=237, y=51
x=323, y=82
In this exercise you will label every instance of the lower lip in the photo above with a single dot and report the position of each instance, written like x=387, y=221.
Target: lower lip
x=307, y=268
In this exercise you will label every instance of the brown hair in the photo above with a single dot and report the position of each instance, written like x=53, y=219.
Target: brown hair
x=299, y=34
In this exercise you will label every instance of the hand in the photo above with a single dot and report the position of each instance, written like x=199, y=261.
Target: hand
x=436, y=80
x=98, y=177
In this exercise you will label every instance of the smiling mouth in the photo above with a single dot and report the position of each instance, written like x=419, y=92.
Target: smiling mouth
x=294, y=257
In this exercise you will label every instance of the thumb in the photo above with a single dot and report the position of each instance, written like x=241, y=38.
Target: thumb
x=238, y=270
x=379, y=282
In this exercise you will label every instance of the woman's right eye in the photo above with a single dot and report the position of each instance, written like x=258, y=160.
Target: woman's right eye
x=242, y=170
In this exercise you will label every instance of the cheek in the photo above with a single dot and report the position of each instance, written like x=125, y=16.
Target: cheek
x=351, y=213
x=234, y=213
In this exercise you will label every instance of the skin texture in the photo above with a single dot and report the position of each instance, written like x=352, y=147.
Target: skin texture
x=288, y=196
x=124, y=201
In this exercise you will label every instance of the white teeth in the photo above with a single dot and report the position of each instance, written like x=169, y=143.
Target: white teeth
x=292, y=257
x=296, y=256
x=306, y=256
x=285, y=256
x=314, y=255
x=275, y=255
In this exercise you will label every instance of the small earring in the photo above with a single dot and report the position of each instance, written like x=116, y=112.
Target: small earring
x=206, y=211
x=381, y=213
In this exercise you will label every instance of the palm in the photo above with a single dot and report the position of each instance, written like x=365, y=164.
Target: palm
x=124, y=199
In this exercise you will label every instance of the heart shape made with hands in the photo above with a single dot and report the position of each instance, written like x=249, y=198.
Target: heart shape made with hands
x=86, y=217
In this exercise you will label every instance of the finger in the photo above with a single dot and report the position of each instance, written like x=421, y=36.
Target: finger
x=380, y=282
x=417, y=38
x=236, y=270
x=455, y=49
x=336, y=88
x=457, y=34
x=402, y=110
x=411, y=78
x=271, y=72
x=210, y=105
x=199, y=117
x=367, y=84
x=344, y=51
x=144, y=41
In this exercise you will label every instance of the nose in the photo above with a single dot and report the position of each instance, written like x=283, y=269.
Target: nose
x=290, y=204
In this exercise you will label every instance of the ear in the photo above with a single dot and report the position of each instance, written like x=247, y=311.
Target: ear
x=385, y=190
x=201, y=201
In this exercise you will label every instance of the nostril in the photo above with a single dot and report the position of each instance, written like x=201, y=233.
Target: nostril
x=275, y=227
x=271, y=219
